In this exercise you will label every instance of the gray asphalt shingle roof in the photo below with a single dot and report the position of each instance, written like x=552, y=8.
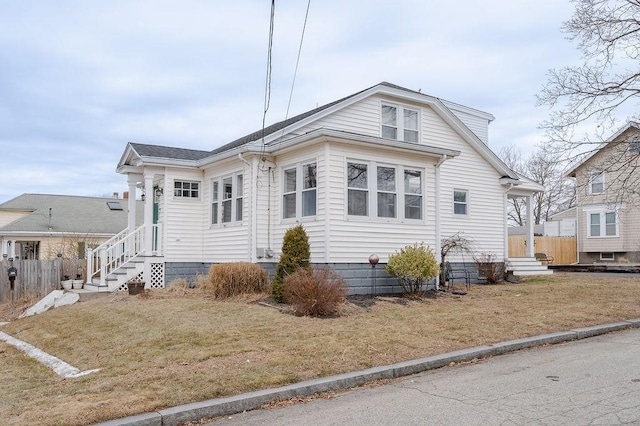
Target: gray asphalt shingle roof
x=157, y=151
x=69, y=214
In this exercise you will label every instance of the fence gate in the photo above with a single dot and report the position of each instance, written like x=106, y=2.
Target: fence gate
x=563, y=249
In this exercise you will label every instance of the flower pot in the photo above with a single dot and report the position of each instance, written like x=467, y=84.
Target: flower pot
x=135, y=288
x=67, y=284
x=77, y=284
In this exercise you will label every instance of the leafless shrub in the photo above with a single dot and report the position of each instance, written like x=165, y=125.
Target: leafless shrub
x=315, y=293
x=489, y=268
x=232, y=279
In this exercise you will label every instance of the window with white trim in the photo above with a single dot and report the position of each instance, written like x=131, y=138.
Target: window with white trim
x=392, y=198
x=596, y=183
x=399, y=122
x=226, y=199
x=460, y=201
x=607, y=256
x=357, y=189
x=299, y=192
x=186, y=189
x=412, y=194
x=603, y=224
x=386, y=177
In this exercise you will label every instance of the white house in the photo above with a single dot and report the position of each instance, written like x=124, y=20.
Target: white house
x=369, y=173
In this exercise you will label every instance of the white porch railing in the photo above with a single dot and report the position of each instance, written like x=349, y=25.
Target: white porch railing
x=118, y=251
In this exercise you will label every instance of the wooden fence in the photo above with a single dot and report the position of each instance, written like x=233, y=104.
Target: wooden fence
x=38, y=277
x=562, y=249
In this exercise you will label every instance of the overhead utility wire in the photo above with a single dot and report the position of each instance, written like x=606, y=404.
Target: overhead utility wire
x=267, y=88
x=295, y=73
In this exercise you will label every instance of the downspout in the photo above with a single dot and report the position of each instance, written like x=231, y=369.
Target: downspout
x=252, y=219
x=437, y=211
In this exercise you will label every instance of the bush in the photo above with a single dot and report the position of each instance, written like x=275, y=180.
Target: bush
x=295, y=255
x=492, y=271
x=231, y=279
x=315, y=293
x=413, y=266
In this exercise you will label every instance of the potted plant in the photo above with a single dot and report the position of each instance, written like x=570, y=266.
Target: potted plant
x=135, y=286
x=67, y=284
x=78, y=282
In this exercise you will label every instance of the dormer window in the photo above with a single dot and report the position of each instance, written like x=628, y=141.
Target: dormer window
x=400, y=123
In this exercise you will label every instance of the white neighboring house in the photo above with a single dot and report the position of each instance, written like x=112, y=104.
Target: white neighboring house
x=369, y=173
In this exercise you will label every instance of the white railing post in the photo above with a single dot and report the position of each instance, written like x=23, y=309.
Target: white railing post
x=89, y=255
x=103, y=266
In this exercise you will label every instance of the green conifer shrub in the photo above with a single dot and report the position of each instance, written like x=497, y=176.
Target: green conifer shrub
x=295, y=255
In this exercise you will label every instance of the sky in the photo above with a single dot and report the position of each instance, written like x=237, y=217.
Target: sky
x=79, y=79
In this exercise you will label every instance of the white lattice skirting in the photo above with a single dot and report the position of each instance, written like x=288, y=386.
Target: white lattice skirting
x=156, y=280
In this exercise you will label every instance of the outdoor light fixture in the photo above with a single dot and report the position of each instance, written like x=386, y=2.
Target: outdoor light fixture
x=159, y=191
x=373, y=260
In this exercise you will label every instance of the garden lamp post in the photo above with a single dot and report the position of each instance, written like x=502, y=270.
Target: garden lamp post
x=373, y=260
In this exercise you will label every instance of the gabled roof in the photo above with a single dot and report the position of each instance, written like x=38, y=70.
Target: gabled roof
x=69, y=215
x=158, y=155
x=616, y=135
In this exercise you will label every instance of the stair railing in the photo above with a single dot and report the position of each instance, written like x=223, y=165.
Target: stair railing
x=114, y=253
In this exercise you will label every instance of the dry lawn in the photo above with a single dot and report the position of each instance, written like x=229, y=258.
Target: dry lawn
x=176, y=347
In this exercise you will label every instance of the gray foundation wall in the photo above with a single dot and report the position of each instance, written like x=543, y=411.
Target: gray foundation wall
x=619, y=257
x=361, y=278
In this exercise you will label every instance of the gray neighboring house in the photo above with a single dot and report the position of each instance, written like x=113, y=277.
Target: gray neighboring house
x=41, y=226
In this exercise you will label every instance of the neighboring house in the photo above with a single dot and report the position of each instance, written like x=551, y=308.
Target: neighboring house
x=608, y=214
x=369, y=173
x=41, y=227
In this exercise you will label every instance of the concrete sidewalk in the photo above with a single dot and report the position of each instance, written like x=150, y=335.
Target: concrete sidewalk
x=253, y=400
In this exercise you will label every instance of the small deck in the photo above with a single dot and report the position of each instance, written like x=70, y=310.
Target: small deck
x=629, y=268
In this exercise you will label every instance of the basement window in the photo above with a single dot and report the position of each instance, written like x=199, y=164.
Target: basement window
x=607, y=256
x=114, y=205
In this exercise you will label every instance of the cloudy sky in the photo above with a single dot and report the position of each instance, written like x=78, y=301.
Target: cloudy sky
x=79, y=79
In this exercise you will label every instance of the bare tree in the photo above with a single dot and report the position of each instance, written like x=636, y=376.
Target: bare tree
x=587, y=101
x=541, y=167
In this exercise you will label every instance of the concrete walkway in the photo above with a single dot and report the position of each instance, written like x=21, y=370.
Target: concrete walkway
x=252, y=400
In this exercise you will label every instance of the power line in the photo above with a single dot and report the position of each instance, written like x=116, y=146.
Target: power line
x=295, y=73
x=267, y=86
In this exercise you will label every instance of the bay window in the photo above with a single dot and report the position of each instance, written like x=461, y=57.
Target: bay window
x=392, y=197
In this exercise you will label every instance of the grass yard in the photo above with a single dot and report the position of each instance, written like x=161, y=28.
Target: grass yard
x=176, y=347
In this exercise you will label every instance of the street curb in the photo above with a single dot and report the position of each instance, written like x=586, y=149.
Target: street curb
x=252, y=400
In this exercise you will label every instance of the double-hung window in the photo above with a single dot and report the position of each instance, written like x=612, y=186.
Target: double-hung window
x=226, y=199
x=186, y=189
x=596, y=183
x=391, y=196
x=399, y=122
x=603, y=224
x=299, y=192
x=412, y=194
x=358, y=189
x=460, y=202
x=386, y=191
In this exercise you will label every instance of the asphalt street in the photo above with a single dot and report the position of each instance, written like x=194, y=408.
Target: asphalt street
x=594, y=381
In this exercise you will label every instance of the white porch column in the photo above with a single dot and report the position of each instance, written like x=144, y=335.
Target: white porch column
x=148, y=212
x=132, y=180
x=12, y=249
x=505, y=204
x=530, y=223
